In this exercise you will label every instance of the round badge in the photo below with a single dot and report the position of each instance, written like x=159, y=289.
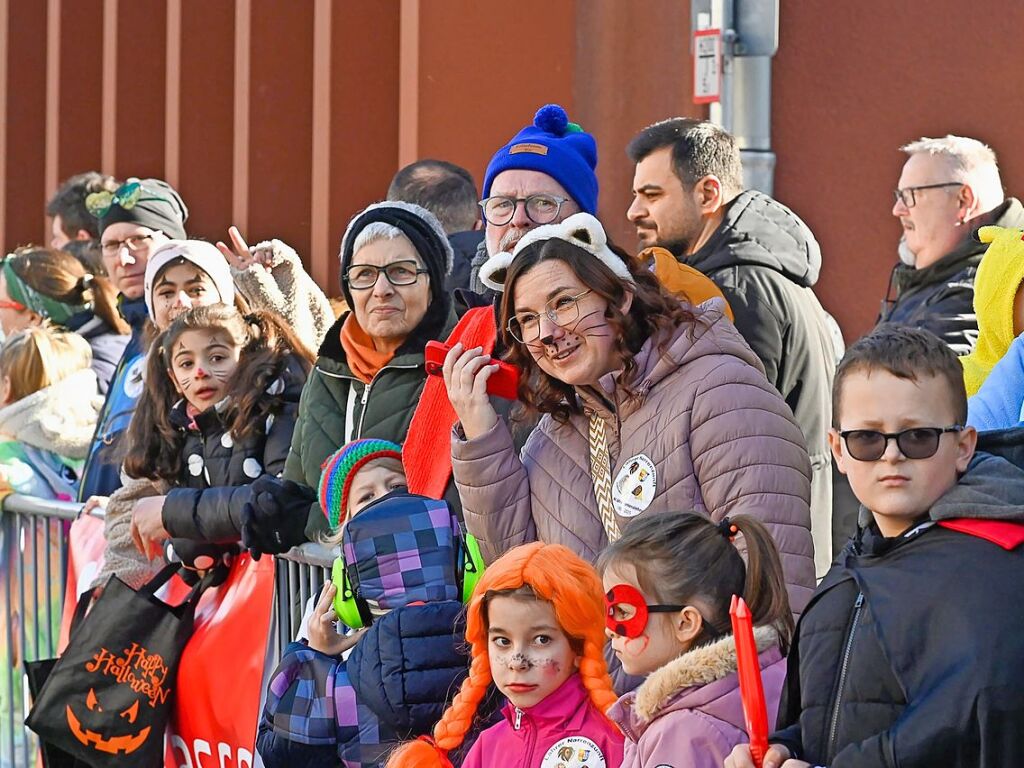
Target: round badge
x=574, y=752
x=634, y=486
x=133, y=377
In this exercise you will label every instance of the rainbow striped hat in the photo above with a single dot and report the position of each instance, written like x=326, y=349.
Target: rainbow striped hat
x=341, y=466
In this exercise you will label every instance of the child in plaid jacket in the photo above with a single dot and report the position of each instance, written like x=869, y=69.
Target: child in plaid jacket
x=401, y=550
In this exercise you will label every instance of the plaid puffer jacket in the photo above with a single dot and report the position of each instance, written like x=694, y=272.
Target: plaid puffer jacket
x=322, y=710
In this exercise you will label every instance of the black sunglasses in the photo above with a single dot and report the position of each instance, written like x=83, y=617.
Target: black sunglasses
x=915, y=443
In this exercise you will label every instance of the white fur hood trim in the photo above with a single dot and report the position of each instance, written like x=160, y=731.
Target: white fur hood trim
x=700, y=666
x=59, y=418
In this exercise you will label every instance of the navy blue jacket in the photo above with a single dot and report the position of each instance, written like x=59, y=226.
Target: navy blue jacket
x=102, y=473
x=107, y=345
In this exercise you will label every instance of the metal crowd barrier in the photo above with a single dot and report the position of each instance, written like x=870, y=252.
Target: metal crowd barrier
x=33, y=571
x=299, y=575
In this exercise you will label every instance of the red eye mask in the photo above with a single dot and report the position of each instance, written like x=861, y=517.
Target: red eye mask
x=626, y=611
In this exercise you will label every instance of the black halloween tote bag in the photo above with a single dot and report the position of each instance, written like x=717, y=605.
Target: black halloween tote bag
x=108, y=698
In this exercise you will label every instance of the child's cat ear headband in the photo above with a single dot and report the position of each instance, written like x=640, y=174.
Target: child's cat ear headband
x=580, y=229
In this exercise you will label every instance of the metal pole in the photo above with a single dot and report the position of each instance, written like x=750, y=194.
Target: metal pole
x=752, y=120
x=721, y=112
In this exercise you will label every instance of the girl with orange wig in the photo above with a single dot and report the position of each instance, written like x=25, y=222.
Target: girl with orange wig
x=535, y=624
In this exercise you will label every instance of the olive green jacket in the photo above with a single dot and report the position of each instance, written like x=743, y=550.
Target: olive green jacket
x=336, y=407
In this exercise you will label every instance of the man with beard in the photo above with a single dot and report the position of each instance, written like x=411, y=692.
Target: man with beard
x=688, y=198
x=542, y=176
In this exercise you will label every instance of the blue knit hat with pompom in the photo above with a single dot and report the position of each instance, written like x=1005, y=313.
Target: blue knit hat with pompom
x=554, y=146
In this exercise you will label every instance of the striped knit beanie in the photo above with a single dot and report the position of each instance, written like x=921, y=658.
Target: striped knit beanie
x=340, y=468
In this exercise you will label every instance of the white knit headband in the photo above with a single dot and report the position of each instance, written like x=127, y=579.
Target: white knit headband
x=581, y=229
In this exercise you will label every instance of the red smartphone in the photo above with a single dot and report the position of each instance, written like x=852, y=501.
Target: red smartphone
x=504, y=382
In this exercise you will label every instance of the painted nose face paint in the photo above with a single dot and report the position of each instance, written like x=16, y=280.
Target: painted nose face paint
x=626, y=611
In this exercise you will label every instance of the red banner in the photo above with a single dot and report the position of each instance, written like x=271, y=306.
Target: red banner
x=218, y=689
x=86, y=543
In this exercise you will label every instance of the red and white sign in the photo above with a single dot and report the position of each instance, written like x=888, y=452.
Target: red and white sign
x=707, y=66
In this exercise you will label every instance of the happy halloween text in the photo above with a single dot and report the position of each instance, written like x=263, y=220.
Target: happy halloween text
x=145, y=672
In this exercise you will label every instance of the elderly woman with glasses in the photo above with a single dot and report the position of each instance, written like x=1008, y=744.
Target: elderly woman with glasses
x=648, y=404
x=370, y=371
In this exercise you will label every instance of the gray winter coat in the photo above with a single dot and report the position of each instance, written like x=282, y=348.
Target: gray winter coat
x=766, y=260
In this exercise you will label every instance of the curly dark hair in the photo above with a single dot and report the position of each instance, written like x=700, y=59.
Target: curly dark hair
x=268, y=349
x=654, y=312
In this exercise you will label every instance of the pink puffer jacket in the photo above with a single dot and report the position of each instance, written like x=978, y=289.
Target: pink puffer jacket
x=564, y=729
x=689, y=712
x=718, y=437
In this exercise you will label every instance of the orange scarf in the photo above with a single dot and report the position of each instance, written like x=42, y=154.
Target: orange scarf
x=363, y=357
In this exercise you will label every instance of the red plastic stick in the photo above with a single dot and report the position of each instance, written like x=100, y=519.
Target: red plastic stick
x=749, y=670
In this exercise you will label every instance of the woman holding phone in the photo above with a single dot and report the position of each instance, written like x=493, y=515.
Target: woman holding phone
x=647, y=403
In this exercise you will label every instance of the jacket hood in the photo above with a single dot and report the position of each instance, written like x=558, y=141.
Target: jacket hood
x=683, y=683
x=758, y=230
x=1000, y=274
x=992, y=488
x=408, y=662
x=402, y=549
x=712, y=333
x=58, y=418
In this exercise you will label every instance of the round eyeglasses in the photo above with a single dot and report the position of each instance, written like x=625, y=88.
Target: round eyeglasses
x=561, y=310
x=915, y=443
x=362, y=276
x=540, y=209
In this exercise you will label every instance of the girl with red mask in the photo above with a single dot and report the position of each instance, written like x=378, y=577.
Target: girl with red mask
x=669, y=581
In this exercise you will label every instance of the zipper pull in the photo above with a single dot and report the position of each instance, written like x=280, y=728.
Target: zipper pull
x=860, y=600
x=519, y=719
x=366, y=394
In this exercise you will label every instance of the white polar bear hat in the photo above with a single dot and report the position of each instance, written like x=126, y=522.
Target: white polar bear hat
x=580, y=229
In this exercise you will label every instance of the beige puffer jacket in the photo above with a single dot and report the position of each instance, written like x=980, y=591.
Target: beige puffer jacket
x=721, y=439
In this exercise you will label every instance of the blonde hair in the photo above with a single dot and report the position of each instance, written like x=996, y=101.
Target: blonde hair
x=548, y=572
x=40, y=356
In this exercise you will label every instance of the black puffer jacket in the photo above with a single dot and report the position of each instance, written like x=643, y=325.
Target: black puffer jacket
x=205, y=507
x=940, y=297
x=911, y=652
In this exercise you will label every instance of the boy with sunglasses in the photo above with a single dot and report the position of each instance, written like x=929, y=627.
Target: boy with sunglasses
x=911, y=651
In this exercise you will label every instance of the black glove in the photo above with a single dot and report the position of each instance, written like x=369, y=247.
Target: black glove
x=274, y=518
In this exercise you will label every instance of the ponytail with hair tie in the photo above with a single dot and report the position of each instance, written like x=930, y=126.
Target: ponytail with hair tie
x=680, y=557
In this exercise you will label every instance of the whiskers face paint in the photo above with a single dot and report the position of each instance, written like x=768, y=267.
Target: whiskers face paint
x=202, y=361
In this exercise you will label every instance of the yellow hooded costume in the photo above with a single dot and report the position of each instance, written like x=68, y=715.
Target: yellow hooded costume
x=1000, y=274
